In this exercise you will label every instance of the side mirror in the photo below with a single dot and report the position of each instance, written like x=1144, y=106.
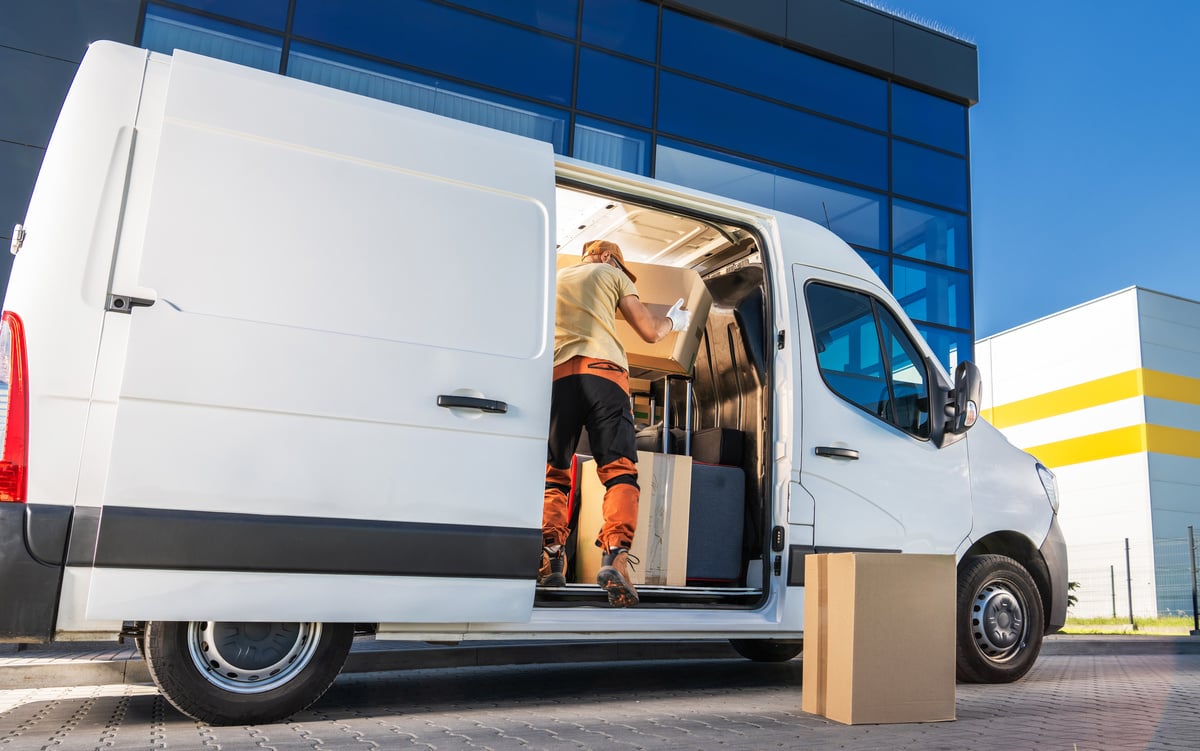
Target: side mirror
x=967, y=393
x=960, y=404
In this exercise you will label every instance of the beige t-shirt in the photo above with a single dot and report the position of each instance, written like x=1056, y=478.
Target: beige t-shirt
x=586, y=312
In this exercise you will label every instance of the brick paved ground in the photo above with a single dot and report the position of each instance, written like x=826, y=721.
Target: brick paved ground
x=1078, y=701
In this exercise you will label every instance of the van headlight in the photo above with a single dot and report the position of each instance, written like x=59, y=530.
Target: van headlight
x=1050, y=484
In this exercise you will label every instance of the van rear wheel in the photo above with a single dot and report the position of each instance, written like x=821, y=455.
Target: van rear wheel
x=240, y=673
x=768, y=650
x=1000, y=620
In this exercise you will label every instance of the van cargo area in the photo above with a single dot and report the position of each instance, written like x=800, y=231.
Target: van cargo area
x=712, y=410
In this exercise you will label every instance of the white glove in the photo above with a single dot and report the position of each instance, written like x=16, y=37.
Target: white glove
x=680, y=319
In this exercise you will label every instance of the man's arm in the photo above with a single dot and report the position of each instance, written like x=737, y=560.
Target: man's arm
x=650, y=327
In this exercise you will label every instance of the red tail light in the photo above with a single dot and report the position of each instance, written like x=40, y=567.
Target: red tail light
x=15, y=402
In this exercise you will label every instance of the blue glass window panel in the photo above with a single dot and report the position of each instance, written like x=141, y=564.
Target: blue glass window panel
x=879, y=263
x=857, y=216
x=929, y=175
x=445, y=40
x=616, y=88
x=272, y=13
x=166, y=30
x=735, y=179
x=704, y=49
x=554, y=16
x=929, y=234
x=950, y=347
x=626, y=26
x=426, y=93
x=611, y=145
x=932, y=294
x=929, y=119
x=752, y=126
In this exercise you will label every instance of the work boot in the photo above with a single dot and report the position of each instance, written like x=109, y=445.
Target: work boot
x=615, y=575
x=552, y=572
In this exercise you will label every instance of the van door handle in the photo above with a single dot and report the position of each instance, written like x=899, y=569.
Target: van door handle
x=838, y=452
x=472, y=402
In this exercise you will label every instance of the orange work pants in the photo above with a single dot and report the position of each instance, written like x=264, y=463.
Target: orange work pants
x=594, y=394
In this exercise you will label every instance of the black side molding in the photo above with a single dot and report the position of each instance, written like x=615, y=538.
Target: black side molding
x=796, y=553
x=148, y=538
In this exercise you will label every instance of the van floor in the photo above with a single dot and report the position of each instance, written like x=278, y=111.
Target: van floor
x=650, y=594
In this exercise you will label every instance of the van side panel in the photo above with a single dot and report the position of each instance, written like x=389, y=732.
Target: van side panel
x=324, y=266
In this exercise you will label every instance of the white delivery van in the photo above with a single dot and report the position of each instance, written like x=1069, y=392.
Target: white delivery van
x=278, y=363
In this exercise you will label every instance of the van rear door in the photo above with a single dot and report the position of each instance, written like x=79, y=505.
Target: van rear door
x=330, y=344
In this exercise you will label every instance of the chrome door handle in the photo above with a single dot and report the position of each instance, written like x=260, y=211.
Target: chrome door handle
x=834, y=451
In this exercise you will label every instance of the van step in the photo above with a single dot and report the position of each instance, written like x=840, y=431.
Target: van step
x=590, y=589
x=650, y=594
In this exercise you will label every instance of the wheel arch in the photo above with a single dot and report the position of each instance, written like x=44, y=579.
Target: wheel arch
x=1022, y=550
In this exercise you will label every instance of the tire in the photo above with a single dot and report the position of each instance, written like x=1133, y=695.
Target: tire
x=1000, y=620
x=768, y=650
x=232, y=673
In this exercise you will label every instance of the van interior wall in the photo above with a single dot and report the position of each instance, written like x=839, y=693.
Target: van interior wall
x=730, y=380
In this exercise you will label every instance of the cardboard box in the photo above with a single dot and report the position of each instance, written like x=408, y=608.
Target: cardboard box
x=661, y=539
x=658, y=288
x=879, y=637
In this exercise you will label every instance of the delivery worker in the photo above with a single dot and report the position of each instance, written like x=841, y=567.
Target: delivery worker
x=591, y=388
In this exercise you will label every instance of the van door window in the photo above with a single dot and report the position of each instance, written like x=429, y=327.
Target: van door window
x=867, y=358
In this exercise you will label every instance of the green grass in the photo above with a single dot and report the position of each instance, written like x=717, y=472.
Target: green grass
x=1171, y=625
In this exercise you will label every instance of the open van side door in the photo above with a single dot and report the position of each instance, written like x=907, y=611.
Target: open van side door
x=326, y=362
x=866, y=460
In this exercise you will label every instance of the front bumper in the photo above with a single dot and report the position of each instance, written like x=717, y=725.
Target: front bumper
x=1054, y=553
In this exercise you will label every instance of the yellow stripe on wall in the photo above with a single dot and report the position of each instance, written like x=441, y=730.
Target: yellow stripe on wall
x=1176, y=388
x=1114, y=388
x=1173, y=441
x=1133, y=439
x=1090, y=448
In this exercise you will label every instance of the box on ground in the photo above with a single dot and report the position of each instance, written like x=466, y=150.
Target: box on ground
x=658, y=288
x=661, y=539
x=879, y=637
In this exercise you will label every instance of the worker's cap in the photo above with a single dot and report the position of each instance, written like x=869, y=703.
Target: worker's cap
x=596, y=247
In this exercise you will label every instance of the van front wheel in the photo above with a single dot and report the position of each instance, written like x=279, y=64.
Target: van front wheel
x=1000, y=620
x=244, y=673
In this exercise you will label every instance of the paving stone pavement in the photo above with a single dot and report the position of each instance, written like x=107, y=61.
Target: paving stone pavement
x=1076, y=702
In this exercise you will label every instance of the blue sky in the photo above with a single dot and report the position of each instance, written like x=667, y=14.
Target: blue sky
x=1085, y=149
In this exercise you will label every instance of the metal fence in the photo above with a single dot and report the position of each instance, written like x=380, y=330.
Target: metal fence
x=1133, y=579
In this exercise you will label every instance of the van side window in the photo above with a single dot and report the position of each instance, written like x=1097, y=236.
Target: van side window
x=867, y=358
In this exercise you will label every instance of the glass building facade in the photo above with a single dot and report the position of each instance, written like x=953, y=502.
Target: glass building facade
x=654, y=88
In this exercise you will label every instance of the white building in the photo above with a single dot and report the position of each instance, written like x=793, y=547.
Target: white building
x=1107, y=395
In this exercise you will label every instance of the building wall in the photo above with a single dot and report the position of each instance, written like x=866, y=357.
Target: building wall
x=827, y=109
x=1171, y=356
x=1107, y=394
x=41, y=44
